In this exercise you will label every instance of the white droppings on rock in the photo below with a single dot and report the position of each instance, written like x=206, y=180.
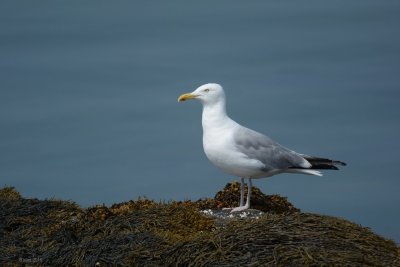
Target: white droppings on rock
x=227, y=214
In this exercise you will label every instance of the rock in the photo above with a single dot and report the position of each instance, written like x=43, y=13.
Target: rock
x=147, y=233
x=229, y=196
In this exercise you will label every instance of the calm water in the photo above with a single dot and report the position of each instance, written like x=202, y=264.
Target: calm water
x=88, y=92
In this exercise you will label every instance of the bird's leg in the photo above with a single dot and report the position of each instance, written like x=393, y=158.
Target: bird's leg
x=247, y=206
x=241, y=192
x=241, y=195
x=249, y=185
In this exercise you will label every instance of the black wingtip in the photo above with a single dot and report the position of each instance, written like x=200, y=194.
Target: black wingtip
x=324, y=167
x=337, y=162
x=323, y=163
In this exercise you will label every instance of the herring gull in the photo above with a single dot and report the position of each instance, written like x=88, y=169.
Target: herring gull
x=245, y=153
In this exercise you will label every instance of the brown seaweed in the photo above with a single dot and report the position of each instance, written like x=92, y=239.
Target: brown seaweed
x=147, y=233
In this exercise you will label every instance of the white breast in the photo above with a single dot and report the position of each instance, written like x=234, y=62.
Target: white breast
x=220, y=150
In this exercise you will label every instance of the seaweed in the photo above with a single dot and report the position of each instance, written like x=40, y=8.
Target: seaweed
x=148, y=233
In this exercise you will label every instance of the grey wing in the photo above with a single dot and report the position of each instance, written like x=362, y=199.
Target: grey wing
x=274, y=156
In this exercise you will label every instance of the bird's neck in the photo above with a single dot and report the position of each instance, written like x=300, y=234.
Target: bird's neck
x=214, y=116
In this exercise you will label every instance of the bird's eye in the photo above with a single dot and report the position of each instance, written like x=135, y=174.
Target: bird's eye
x=206, y=90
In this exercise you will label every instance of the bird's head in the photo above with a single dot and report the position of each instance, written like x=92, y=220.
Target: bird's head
x=209, y=93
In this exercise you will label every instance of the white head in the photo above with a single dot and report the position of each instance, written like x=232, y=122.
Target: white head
x=207, y=94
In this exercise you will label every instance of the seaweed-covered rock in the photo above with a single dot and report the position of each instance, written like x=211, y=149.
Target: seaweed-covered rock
x=229, y=196
x=147, y=233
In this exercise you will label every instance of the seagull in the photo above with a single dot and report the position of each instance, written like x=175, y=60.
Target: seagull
x=243, y=152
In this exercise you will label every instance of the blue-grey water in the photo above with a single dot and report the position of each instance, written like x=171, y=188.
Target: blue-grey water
x=89, y=112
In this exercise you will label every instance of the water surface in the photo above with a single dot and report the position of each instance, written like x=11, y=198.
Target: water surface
x=88, y=91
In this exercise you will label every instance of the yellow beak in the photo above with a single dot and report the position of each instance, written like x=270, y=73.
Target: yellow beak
x=185, y=97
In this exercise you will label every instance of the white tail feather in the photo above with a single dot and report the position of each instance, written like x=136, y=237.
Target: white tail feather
x=305, y=171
